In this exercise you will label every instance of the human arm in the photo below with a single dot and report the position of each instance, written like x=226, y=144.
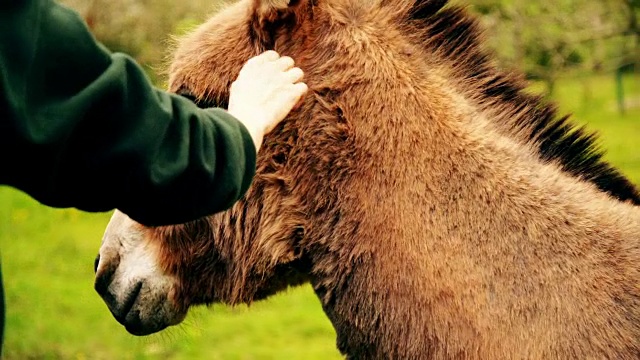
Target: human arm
x=81, y=127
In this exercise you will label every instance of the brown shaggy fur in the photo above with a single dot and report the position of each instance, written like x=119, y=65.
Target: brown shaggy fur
x=437, y=210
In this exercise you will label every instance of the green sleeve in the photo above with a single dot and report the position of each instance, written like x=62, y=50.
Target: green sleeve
x=81, y=127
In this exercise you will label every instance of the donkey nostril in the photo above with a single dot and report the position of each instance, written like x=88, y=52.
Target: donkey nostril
x=127, y=305
x=95, y=264
x=105, y=276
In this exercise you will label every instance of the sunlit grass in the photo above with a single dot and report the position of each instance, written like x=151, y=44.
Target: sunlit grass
x=592, y=101
x=53, y=312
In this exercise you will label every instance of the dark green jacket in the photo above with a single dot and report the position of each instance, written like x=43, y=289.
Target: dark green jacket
x=82, y=127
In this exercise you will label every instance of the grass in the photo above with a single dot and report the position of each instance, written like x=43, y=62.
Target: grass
x=592, y=102
x=53, y=312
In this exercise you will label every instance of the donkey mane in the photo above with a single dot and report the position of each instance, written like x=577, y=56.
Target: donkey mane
x=453, y=34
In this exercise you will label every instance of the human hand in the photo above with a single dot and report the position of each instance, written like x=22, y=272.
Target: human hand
x=266, y=90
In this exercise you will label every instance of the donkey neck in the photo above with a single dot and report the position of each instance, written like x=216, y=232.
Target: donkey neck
x=481, y=231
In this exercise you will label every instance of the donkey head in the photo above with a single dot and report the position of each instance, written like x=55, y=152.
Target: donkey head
x=149, y=277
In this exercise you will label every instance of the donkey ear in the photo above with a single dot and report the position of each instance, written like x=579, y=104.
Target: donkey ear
x=270, y=15
x=270, y=9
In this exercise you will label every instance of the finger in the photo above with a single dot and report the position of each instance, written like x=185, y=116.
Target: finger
x=284, y=63
x=299, y=102
x=266, y=56
x=292, y=95
x=298, y=90
x=270, y=55
x=294, y=75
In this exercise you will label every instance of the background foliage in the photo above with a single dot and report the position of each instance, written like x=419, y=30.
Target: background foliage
x=545, y=39
x=583, y=54
x=551, y=39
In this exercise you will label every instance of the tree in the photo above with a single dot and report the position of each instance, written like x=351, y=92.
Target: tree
x=142, y=28
x=549, y=39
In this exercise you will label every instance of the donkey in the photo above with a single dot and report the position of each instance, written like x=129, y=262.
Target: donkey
x=437, y=209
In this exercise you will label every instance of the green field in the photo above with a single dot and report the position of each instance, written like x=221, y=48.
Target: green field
x=53, y=312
